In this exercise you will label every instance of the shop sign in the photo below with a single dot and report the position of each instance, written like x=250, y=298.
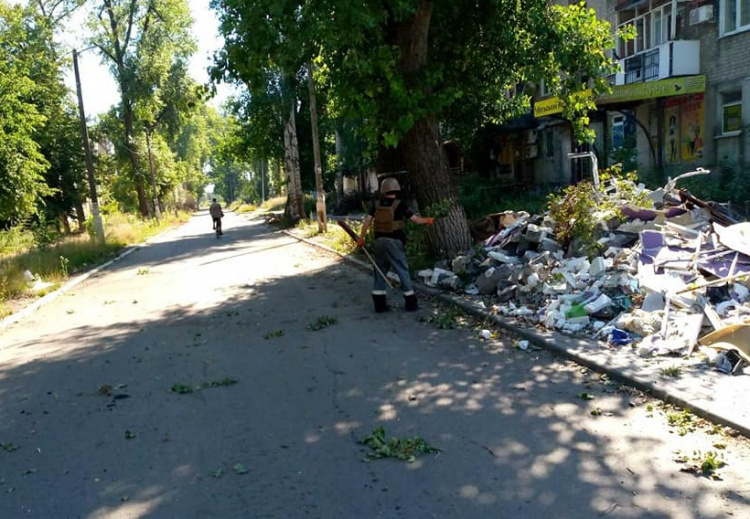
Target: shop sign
x=677, y=86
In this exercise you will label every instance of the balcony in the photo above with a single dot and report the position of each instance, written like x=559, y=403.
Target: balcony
x=673, y=58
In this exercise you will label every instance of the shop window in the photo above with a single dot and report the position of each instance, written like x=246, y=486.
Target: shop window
x=549, y=144
x=731, y=112
x=735, y=15
x=618, y=131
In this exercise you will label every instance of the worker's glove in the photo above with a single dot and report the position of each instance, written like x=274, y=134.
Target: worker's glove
x=429, y=220
x=360, y=242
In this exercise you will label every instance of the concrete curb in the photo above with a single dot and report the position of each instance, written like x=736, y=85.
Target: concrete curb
x=568, y=347
x=48, y=298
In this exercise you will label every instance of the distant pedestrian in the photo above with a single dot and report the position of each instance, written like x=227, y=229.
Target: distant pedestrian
x=389, y=215
x=216, y=215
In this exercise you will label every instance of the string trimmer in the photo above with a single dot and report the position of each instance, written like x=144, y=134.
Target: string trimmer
x=353, y=236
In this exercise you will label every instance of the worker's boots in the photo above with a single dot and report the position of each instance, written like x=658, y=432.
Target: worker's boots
x=411, y=303
x=380, y=303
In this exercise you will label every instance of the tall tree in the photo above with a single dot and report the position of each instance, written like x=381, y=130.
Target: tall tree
x=142, y=41
x=404, y=67
x=22, y=165
x=272, y=68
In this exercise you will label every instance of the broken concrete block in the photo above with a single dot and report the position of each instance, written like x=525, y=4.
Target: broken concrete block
x=739, y=292
x=598, y=304
x=548, y=244
x=534, y=233
x=597, y=267
x=452, y=282
x=503, y=258
x=488, y=281
x=437, y=273
x=425, y=275
x=653, y=302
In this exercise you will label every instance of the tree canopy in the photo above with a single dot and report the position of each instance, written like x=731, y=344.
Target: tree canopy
x=412, y=72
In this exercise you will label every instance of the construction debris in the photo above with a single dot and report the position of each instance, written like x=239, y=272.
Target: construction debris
x=667, y=280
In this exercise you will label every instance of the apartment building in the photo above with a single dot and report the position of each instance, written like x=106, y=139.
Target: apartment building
x=681, y=100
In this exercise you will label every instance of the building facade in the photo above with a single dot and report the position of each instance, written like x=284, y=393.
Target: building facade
x=681, y=100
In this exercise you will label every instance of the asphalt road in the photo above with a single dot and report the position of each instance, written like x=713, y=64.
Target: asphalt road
x=117, y=401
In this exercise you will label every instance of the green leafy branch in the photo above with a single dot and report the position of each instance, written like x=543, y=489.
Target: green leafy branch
x=406, y=449
x=184, y=389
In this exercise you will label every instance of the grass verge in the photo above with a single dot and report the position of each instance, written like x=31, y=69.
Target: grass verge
x=54, y=264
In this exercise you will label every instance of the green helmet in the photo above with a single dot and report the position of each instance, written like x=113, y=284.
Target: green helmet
x=388, y=185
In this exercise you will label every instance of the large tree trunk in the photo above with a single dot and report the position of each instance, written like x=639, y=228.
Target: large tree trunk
x=140, y=188
x=295, y=208
x=320, y=203
x=429, y=174
x=430, y=177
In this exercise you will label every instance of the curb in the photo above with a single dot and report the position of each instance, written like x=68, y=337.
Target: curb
x=560, y=344
x=48, y=298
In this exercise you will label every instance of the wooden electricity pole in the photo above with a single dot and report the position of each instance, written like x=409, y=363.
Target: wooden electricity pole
x=98, y=225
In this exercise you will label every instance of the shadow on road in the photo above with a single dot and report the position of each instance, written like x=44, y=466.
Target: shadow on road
x=140, y=419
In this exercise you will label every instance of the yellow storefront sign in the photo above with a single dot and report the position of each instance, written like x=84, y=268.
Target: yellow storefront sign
x=634, y=92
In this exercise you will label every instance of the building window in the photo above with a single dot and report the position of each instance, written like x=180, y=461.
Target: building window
x=731, y=112
x=549, y=143
x=735, y=15
x=618, y=131
x=653, y=28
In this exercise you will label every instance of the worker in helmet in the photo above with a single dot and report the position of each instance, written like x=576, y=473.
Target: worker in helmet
x=389, y=215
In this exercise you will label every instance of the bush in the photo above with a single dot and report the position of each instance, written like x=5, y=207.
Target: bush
x=482, y=196
x=575, y=208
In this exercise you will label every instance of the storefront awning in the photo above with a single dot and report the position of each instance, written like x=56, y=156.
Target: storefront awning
x=676, y=86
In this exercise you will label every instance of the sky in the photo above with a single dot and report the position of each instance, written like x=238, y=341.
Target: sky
x=99, y=89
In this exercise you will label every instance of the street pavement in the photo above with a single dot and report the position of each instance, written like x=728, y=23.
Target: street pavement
x=234, y=378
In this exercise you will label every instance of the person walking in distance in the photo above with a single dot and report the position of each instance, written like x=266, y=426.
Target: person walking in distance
x=388, y=217
x=216, y=215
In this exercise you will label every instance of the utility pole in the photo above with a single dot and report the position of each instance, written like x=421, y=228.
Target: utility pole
x=98, y=225
x=320, y=205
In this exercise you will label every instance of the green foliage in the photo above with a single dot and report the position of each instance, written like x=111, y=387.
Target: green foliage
x=44, y=233
x=322, y=322
x=573, y=212
x=482, y=196
x=25, y=47
x=702, y=463
x=406, y=449
x=577, y=209
x=446, y=318
x=147, y=44
x=682, y=420
x=672, y=371
x=730, y=182
x=274, y=334
x=463, y=60
x=184, y=389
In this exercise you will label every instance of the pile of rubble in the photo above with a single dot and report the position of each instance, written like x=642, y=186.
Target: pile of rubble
x=672, y=278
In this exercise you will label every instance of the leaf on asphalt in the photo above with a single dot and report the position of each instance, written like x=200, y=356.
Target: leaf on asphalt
x=217, y=473
x=274, y=334
x=585, y=396
x=239, y=468
x=129, y=435
x=9, y=447
x=406, y=449
x=322, y=322
x=181, y=389
x=105, y=390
